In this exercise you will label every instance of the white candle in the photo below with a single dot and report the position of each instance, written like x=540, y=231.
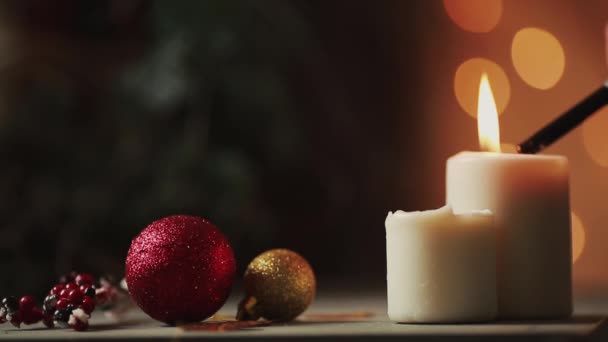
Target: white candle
x=528, y=195
x=440, y=266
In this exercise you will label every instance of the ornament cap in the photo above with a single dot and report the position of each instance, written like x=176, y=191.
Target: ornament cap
x=247, y=310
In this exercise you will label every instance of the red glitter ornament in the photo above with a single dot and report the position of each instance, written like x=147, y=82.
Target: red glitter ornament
x=180, y=269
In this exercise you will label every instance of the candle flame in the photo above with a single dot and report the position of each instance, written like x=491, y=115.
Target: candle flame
x=487, y=117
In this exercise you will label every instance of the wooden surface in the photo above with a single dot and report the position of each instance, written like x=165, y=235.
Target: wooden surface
x=587, y=324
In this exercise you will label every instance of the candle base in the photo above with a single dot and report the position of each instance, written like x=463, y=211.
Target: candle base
x=456, y=318
x=529, y=196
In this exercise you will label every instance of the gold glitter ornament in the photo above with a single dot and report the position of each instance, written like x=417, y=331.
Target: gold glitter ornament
x=279, y=286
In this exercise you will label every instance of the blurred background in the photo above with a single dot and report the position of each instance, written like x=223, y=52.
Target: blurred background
x=288, y=123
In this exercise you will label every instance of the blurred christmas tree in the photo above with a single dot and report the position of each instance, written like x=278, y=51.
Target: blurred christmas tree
x=285, y=122
x=116, y=113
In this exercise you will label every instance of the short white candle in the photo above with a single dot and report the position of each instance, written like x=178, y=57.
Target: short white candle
x=440, y=266
x=529, y=197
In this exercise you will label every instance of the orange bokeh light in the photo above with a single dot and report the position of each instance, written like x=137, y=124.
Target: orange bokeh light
x=578, y=237
x=595, y=138
x=474, y=15
x=466, y=84
x=538, y=57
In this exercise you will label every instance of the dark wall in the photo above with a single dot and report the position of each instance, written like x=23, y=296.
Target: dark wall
x=287, y=123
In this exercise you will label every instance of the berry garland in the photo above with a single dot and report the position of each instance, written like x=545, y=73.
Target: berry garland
x=70, y=303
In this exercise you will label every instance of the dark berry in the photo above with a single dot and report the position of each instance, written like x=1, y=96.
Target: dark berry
x=11, y=304
x=71, y=307
x=26, y=303
x=87, y=305
x=57, y=289
x=62, y=315
x=102, y=296
x=16, y=319
x=75, y=296
x=27, y=319
x=33, y=316
x=64, y=293
x=62, y=303
x=48, y=320
x=84, y=279
x=50, y=303
x=80, y=325
x=71, y=286
x=90, y=292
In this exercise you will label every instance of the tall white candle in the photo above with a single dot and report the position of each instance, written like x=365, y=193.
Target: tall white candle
x=529, y=196
x=440, y=266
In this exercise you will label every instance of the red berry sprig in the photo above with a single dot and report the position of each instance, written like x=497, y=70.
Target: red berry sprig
x=69, y=304
x=20, y=311
x=74, y=302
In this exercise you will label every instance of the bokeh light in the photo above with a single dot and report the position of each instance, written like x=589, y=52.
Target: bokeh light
x=595, y=137
x=578, y=237
x=466, y=84
x=474, y=15
x=538, y=57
